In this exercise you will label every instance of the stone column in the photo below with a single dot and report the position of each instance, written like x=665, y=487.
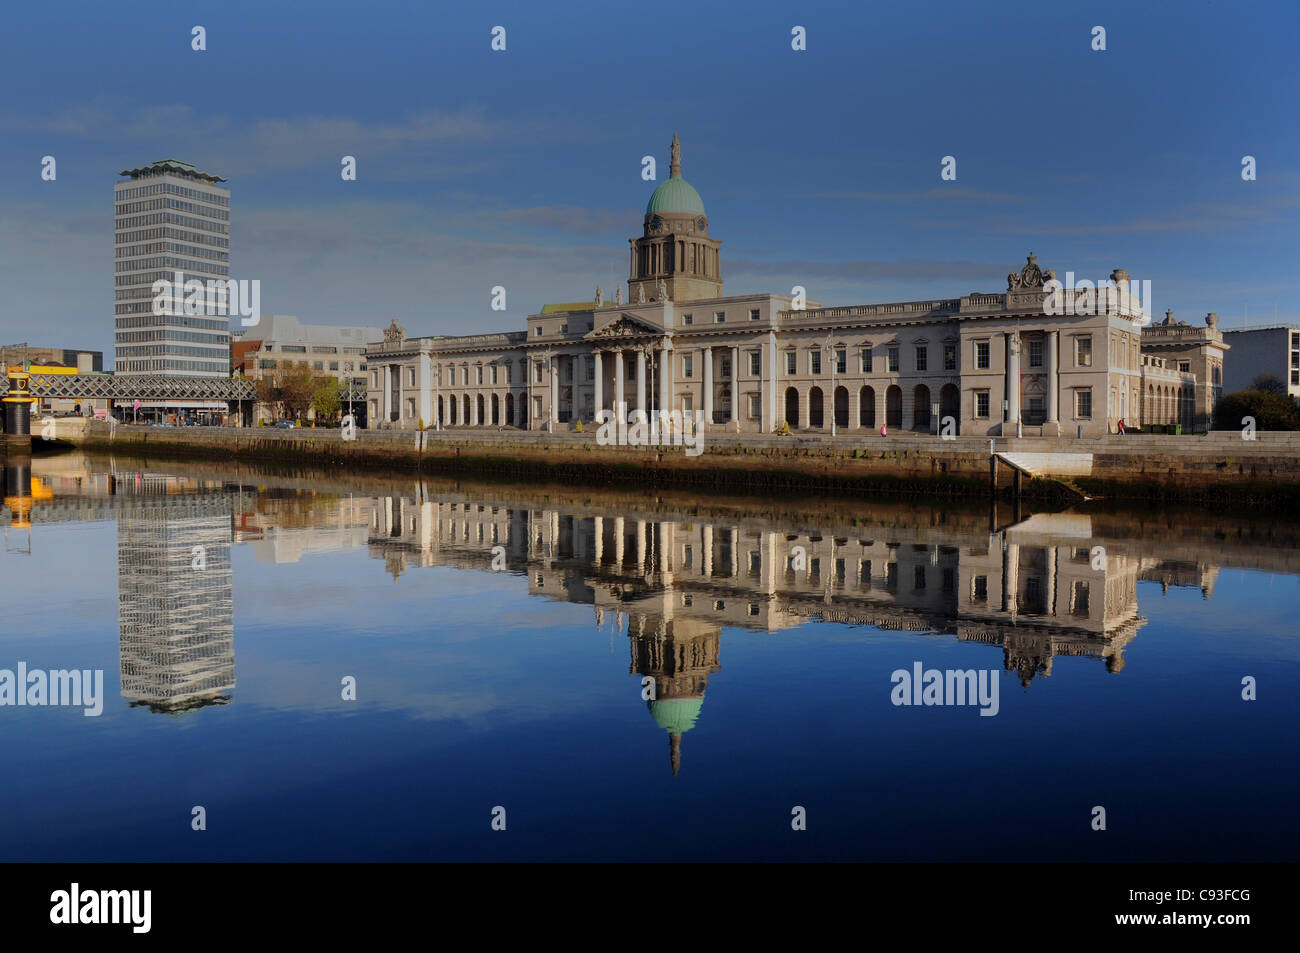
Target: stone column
x=619, y=413
x=640, y=381
x=772, y=378
x=618, y=540
x=1013, y=381
x=424, y=380
x=551, y=368
x=735, y=384
x=1051, y=581
x=388, y=390
x=598, y=537
x=599, y=386
x=805, y=411
x=1053, y=362
x=666, y=378
x=708, y=385
x=706, y=551
x=640, y=547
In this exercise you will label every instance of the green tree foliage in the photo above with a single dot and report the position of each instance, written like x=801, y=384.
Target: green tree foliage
x=327, y=399
x=1271, y=411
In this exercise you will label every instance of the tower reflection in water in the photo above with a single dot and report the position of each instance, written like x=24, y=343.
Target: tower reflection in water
x=1034, y=588
x=174, y=583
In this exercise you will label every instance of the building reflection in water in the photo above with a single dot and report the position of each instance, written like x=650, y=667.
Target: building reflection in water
x=1033, y=589
x=174, y=586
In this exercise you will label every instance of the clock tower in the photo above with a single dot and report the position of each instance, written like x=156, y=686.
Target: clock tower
x=675, y=257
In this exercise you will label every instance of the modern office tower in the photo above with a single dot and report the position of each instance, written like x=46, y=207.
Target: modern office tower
x=175, y=608
x=171, y=222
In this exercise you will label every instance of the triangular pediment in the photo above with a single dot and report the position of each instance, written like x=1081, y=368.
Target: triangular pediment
x=624, y=326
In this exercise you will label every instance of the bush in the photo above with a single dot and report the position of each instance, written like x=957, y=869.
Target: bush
x=1271, y=411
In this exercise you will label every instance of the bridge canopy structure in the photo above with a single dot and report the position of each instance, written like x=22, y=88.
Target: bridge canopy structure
x=52, y=385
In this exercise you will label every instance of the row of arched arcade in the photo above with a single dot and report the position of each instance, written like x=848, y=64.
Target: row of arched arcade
x=861, y=407
x=480, y=410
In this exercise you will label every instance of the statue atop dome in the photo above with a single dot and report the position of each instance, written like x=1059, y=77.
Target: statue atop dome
x=675, y=166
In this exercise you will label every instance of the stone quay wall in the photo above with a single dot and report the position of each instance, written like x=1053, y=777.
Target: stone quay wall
x=1218, y=466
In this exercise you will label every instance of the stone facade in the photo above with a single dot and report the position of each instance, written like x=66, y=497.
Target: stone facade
x=987, y=364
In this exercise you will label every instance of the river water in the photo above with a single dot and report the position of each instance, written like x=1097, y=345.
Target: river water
x=333, y=666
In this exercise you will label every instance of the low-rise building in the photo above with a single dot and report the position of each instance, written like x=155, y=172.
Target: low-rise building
x=1270, y=350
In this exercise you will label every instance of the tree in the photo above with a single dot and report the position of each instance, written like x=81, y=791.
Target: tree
x=267, y=391
x=1271, y=411
x=1268, y=384
x=327, y=399
x=296, y=389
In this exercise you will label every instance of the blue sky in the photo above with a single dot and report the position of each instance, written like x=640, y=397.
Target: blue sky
x=522, y=168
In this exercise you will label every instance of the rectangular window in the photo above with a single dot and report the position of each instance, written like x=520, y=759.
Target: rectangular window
x=982, y=404
x=374, y=378
x=1295, y=377
x=688, y=404
x=814, y=362
x=950, y=357
x=1186, y=366
x=478, y=374
x=410, y=408
x=537, y=372
x=893, y=359
x=754, y=314
x=790, y=368
x=726, y=366
x=980, y=589
x=1295, y=341
x=922, y=358
x=688, y=366
x=537, y=331
x=754, y=409
x=334, y=365
x=1079, y=592
x=537, y=405
x=564, y=327
x=492, y=371
x=1035, y=353
x=756, y=363
x=591, y=367
x=982, y=355
x=687, y=319
x=508, y=373
x=1083, y=403
x=866, y=360
x=1037, y=414
x=841, y=362
x=719, y=317
x=1083, y=351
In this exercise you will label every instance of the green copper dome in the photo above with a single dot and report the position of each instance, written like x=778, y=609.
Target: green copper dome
x=675, y=195
x=676, y=715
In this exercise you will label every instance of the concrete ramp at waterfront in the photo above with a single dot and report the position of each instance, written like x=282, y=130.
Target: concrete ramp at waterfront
x=1058, y=466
